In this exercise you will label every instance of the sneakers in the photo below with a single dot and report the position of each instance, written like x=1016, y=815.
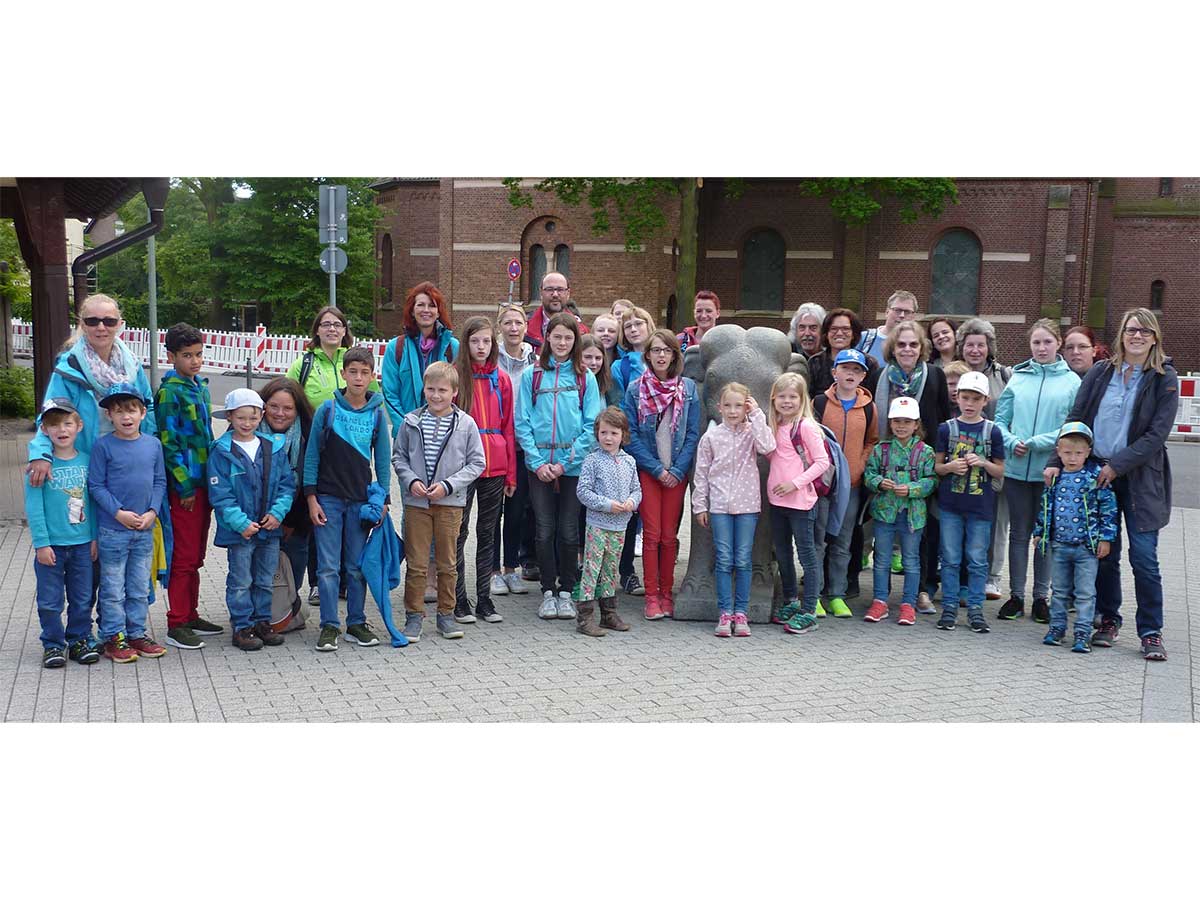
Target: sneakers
x=327, y=639
x=314, y=596
x=362, y=635
x=1106, y=634
x=487, y=613
x=992, y=590
x=412, y=626
x=908, y=615
x=633, y=586
x=498, y=585
x=897, y=564
x=448, y=628
x=800, y=623
x=268, y=635
x=820, y=613
x=1082, y=644
x=924, y=604
x=1054, y=637
x=183, y=637
x=877, y=612
x=1041, y=611
x=53, y=658
x=741, y=627
x=514, y=582
x=118, y=650
x=1153, y=649
x=637, y=545
x=566, y=606
x=83, y=652
x=839, y=610
x=976, y=621
x=667, y=604
x=785, y=612
x=147, y=648
x=948, y=620
x=549, y=607
x=653, y=610
x=246, y=639
x=463, y=615
x=1012, y=609
x=724, y=626
x=204, y=627
x=531, y=572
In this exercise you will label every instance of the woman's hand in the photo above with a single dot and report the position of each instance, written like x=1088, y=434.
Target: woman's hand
x=1020, y=449
x=38, y=471
x=1049, y=474
x=1106, y=477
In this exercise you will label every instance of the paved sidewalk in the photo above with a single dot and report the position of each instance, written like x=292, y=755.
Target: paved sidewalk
x=529, y=670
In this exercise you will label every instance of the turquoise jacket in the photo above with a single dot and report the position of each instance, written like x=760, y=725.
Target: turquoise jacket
x=628, y=368
x=72, y=379
x=235, y=487
x=556, y=429
x=404, y=377
x=1031, y=409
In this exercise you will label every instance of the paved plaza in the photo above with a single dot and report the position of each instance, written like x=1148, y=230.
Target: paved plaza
x=525, y=669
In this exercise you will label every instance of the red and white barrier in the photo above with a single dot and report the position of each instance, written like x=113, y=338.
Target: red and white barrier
x=1187, y=418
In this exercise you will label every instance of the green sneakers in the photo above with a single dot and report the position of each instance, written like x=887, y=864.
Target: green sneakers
x=800, y=623
x=839, y=609
x=361, y=635
x=327, y=640
x=820, y=609
x=183, y=637
x=897, y=564
x=786, y=612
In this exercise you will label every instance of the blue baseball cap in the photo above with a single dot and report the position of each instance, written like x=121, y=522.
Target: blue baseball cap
x=850, y=355
x=120, y=391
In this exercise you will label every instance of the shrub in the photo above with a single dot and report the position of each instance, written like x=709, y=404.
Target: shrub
x=16, y=392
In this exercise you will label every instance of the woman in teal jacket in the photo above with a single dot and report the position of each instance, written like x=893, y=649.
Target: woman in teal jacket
x=1029, y=413
x=556, y=412
x=427, y=338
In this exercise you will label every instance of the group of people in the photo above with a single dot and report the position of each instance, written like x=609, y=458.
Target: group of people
x=576, y=447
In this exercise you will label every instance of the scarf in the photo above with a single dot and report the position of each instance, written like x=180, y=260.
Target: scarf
x=906, y=385
x=654, y=396
x=105, y=374
x=293, y=438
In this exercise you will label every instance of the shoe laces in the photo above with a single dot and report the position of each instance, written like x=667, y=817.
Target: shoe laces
x=1154, y=640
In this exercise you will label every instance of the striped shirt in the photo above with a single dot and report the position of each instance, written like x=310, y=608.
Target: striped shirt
x=434, y=431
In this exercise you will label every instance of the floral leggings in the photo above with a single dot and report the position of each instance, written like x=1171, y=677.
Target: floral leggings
x=601, y=552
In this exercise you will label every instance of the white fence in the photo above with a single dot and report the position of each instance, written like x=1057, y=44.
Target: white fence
x=224, y=351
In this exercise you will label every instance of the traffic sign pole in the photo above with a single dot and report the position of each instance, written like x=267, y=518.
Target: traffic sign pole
x=332, y=244
x=514, y=272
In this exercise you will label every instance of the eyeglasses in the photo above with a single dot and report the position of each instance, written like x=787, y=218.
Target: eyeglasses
x=901, y=311
x=338, y=325
x=1131, y=331
x=659, y=350
x=504, y=306
x=837, y=329
x=555, y=290
x=109, y=321
x=910, y=345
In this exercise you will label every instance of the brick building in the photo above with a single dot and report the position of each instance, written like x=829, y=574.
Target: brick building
x=1010, y=251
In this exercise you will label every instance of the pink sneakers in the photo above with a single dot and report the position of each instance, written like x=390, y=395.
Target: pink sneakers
x=741, y=627
x=724, y=626
x=878, y=611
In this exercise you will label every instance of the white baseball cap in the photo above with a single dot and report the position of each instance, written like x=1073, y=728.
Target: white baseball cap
x=975, y=381
x=904, y=408
x=239, y=397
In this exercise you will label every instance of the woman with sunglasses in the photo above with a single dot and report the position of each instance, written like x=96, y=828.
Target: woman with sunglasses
x=91, y=362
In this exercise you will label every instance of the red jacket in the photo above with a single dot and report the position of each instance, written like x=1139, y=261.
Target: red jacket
x=533, y=327
x=492, y=410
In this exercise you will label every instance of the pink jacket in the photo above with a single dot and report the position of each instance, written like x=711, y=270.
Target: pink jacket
x=727, y=468
x=786, y=465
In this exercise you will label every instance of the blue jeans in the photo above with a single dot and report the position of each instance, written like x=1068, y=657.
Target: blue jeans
x=1147, y=581
x=910, y=550
x=976, y=531
x=733, y=539
x=71, y=574
x=789, y=524
x=251, y=581
x=1075, y=567
x=124, y=581
x=339, y=545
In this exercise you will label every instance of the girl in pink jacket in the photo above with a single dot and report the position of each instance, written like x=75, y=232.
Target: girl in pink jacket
x=726, y=497
x=799, y=459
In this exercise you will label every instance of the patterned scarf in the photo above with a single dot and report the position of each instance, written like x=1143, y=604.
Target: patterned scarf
x=105, y=374
x=293, y=438
x=905, y=385
x=654, y=396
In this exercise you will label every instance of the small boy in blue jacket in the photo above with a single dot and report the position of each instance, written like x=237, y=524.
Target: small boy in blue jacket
x=1076, y=524
x=250, y=488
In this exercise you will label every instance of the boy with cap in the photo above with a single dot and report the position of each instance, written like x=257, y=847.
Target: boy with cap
x=63, y=528
x=250, y=486
x=847, y=410
x=970, y=457
x=1076, y=524
x=128, y=484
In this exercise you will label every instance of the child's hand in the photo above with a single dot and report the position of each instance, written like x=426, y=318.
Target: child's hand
x=188, y=502
x=316, y=515
x=783, y=489
x=437, y=492
x=630, y=504
x=751, y=406
x=148, y=518
x=45, y=555
x=972, y=459
x=269, y=522
x=887, y=485
x=900, y=490
x=1102, y=549
x=418, y=489
x=958, y=466
x=251, y=530
x=129, y=519
x=509, y=490
x=702, y=518
x=545, y=473
x=95, y=550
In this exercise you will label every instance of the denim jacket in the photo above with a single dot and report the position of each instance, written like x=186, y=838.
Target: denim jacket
x=643, y=445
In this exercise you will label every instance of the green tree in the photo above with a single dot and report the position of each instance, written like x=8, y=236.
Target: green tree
x=14, y=284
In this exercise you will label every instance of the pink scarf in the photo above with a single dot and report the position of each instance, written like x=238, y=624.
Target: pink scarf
x=655, y=396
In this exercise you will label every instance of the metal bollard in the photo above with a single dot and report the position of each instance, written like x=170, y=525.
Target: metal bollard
x=249, y=364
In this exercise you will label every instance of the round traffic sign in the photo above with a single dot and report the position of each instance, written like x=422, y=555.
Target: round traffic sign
x=514, y=269
x=333, y=258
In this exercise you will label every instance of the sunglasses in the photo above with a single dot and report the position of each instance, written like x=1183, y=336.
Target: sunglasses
x=93, y=321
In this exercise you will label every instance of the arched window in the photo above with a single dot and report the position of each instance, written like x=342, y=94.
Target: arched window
x=1157, y=289
x=956, y=260
x=763, y=256
x=385, y=271
x=537, y=270
x=562, y=261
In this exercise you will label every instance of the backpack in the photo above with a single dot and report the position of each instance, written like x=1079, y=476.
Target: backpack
x=306, y=367
x=287, y=611
x=821, y=401
x=914, y=458
x=324, y=437
x=580, y=385
x=985, y=438
x=824, y=483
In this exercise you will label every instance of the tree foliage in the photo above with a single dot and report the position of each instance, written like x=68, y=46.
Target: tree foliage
x=858, y=200
x=14, y=284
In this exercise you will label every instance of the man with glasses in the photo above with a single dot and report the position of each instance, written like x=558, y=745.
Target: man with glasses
x=556, y=297
x=901, y=307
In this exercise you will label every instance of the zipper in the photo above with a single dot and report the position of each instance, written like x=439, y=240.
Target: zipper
x=1037, y=407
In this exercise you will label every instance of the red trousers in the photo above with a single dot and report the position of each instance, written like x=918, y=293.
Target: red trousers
x=189, y=529
x=661, y=511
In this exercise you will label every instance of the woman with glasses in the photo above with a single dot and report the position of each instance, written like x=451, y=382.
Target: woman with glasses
x=1130, y=403
x=840, y=330
x=426, y=338
x=319, y=368
x=1081, y=350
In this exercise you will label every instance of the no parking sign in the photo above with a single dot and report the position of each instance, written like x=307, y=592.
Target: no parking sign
x=514, y=269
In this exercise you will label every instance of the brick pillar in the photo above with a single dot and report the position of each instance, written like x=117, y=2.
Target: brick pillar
x=854, y=267
x=43, y=236
x=1101, y=265
x=445, y=266
x=1058, y=214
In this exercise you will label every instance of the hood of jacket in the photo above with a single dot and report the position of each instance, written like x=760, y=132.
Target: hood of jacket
x=1033, y=367
x=374, y=400
x=225, y=441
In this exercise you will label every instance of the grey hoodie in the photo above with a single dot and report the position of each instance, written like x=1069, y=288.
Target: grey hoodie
x=460, y=462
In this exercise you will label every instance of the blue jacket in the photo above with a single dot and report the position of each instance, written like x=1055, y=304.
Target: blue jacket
x=71, y=379
x=628, y=368
x=404, y=379
x=1094, y=514
x=380, y=559
x=643, y=446
x=1031, y=409
x=555, y=429
x=341, y=443
x=235, y=487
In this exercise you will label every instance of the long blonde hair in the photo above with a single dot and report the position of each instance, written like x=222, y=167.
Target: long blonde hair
x=1149, y=320
x=796, y=383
